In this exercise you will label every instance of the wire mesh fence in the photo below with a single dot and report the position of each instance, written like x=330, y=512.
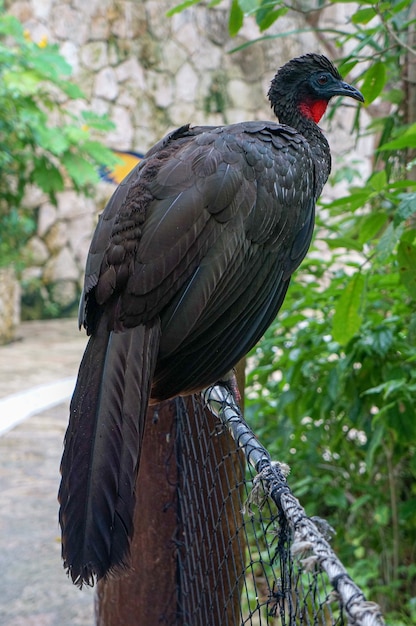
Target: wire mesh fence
x=246, y=552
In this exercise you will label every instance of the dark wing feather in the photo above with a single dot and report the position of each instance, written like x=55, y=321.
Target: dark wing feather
x=240, y=284
x=99, y=244
x=240, y=319
x=179, y=202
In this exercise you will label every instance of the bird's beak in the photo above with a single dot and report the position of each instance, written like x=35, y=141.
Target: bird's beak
x=345, y=89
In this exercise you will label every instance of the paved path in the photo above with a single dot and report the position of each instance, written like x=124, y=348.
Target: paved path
x=34, y=589
x=43, y=352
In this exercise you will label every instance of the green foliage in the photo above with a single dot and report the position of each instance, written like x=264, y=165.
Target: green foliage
x=332, y=386
x=340, y=410
x=41, y=143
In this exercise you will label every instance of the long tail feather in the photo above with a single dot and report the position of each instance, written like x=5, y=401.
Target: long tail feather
x=102, y=450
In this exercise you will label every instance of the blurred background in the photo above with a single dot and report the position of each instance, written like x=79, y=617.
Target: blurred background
x=87, y=88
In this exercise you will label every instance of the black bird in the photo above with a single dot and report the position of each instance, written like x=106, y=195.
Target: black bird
x=188, y=266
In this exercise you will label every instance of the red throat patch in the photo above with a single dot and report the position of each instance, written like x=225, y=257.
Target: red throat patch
x=313, y=109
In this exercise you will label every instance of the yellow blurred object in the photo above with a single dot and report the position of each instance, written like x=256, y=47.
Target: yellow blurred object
x=43, y=42
x=128, y=160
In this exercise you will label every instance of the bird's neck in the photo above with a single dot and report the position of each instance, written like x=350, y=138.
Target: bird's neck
x=321, y=155
x=304, y=118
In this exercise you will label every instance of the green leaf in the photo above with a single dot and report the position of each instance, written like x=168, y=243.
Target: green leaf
x=10, y=25
x=49, y=62
x=346, y=66
x=375, y=442
x=403, y=184
x=47, y=176
x=406, y=255
x=52, y=139
x=236, y=18
x=381, y=340
x=181, y=7
x=72, y=91
x=387, y=388
x=378, y=181
x=352, y=202
x=371, y=225
x=99, y=122
x=75, y=134
x=266, y=17
x=343, y=242
x=249, y=6
x=100, y=153
x=363, y=16
x=388, y=241
x=81, y=171
x=24, y=82
x=406, y=140
x=374, y=80
x=406, y=208
x=397, y=7
x=347, y=319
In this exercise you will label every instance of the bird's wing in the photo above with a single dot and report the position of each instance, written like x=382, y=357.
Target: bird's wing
x=103, y=239
x=205, y=233
x=263, y=226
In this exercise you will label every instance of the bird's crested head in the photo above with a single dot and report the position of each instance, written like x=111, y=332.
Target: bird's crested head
x=305, y=85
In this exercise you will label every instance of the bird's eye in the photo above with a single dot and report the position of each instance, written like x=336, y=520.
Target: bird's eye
x=323, y=79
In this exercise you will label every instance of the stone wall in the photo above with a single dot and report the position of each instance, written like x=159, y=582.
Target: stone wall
x=9, y=304
x=150, y=73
